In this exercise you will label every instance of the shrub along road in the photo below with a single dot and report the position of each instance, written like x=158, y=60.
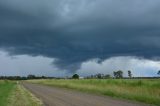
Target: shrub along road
x=52, y=96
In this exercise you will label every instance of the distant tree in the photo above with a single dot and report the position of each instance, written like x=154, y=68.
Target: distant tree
x=100, y=76
x=107, y=76
x=31, y=77
x=129, y=74
x=43, y=77
x=75, y=76
x=115, y=74
x=92, y=76
x=158, y=72
x=118, y=74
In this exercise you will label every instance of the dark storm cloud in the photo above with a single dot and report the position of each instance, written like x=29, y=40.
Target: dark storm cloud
x=74, y=31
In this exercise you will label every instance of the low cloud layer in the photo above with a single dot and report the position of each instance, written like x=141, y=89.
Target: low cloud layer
x=24, y=65
x=72, y=32
x=139, y=67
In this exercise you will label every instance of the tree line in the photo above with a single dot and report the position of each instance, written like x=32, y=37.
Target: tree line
x=116, y=75
x=24, y=78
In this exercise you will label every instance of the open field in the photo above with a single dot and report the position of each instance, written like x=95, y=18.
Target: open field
x=13, y=94
x=146, y=91
x=6, y=88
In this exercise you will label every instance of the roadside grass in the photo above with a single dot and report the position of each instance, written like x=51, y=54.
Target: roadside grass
x=145, y=90
x=6, y=87
x=14, y=94
x=22, y=97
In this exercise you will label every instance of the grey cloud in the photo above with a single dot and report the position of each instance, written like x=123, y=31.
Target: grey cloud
x=144, y=67
x=75, y=31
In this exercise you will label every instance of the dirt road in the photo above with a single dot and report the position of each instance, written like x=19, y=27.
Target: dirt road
x=61, y=97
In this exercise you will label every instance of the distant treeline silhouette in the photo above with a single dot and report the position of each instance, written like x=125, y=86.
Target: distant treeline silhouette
x=119, y=75
x=116, y=75
x=24, y=78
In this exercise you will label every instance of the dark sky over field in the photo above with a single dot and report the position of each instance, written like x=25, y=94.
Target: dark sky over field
x=79, y=36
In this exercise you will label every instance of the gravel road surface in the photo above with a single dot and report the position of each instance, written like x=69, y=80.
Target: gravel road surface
x=52, y=96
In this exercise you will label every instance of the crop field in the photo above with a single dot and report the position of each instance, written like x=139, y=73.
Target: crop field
x=13, y=94
x=145, y=90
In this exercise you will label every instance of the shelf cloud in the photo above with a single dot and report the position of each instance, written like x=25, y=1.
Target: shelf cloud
x=72, y=32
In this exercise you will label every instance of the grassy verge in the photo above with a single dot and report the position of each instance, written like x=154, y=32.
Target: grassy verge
x=21, y=97
x=146, y=91
x=13, y=94
x=6, y=87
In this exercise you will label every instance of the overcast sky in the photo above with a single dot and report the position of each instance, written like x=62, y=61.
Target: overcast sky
x=62, y=37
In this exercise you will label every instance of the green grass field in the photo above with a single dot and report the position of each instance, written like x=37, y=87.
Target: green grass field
x=146, y=91
x=6, y=87
x=13, y=94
